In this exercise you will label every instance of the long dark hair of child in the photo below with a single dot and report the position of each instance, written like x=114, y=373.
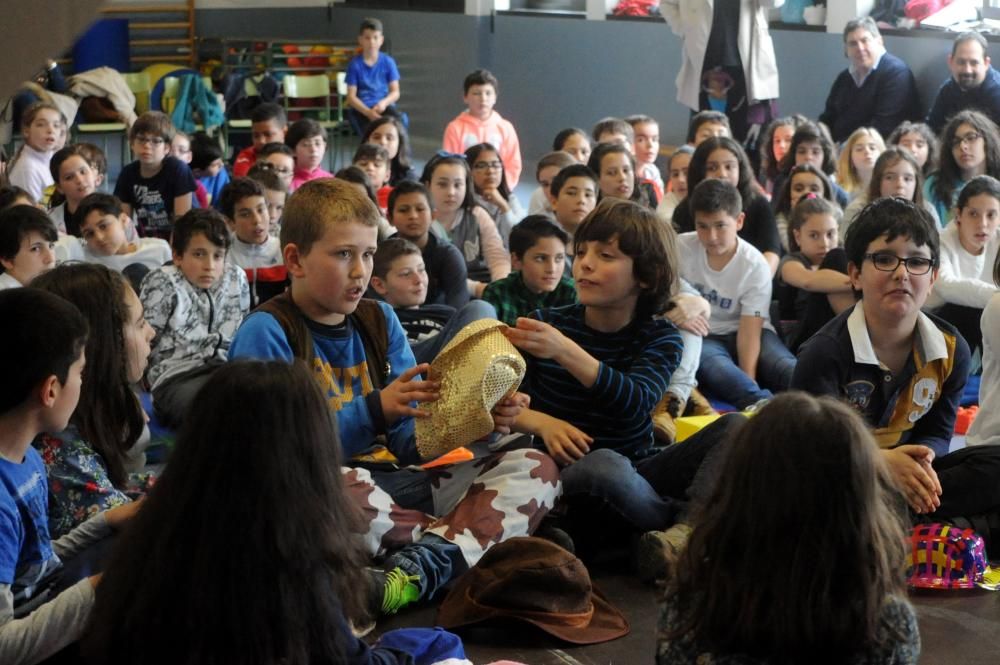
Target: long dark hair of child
x=696, y=169
x=560, y=140
x=355, y=175
x=889, y=158
x=799, y=545
x=811, y=132
x=805, y=209
x=783, y=203
x=602, y=150
x=399, y=166
x=949, y=174
x=472, y=154
x=108, y=415
x=926, y=133
x=207, y=574
x=641, y=235
x=442, y=157
x=768, y=162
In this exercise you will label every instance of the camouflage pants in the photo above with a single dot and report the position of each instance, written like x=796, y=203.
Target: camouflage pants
x=473, y=504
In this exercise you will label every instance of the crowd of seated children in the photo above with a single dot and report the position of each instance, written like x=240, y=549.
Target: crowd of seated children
x=361, y=182
x=44, y=129
x=194, y=306
x=164, y=593
x=268, y=125
x=156, y=187
x=896, y=173
x=970, y=146
x=550, y=164
x=646, y=147
x=969, y=247
x=492, y=193
x=410, y=214
x=307, y=139
x=677, y=173
x=280, y=159
x=572, y=196
x=400, y=279
x=253, y=248
x=390, y=133
x=481, y=123
x=921, y=141
x=857, y=160
x=275, y=194
x=721, y=157
x=903, y=370
x=574, y=141
x=329, y=236
x=814, y=272
x=597, y=369
x=46, y=582
x=843, y=541
x=538, y=281
x=27, y=245
x=103, y=228
x=803, y=182
x=448, y=178
x=372, y=80
x=207, y=167
x=180, y=148
x=374, y=161
x=742, y=359
x=96, y=462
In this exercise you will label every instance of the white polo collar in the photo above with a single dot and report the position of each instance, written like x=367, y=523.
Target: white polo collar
x=931, y=339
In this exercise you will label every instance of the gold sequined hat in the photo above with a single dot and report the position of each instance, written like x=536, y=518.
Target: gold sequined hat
x=477, y=369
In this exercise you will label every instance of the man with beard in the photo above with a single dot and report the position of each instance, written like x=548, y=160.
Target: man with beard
x=974, y=84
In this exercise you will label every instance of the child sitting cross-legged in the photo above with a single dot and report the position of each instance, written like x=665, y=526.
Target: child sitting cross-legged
x=253, y=248
x=400, y=278
x=96, y=462
x=538, y=255
x=742, y=356
x=410, y=214
x=103, y=226
x=904, y=371
x=45, y=593
x=430, y=526
x=598, y=368
x=194, y=305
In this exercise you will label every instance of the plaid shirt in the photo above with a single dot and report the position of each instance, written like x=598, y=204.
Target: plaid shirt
x=512, y=298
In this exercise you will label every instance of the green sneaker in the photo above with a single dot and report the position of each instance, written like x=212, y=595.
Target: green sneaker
x=398, y=589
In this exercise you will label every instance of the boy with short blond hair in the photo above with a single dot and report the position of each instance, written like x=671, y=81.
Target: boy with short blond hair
x=538, y=255
x=195, y=305
x=268, y=124
x=480, y=123
x=253, y=248
x=372, y=79
x=742, y=357
x=156, y=187
x=365, y=366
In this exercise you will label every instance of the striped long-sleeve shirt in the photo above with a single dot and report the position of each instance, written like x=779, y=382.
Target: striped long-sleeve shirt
x=636, y=364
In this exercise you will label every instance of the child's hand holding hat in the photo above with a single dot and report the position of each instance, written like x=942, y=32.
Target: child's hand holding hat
x=507, y=410
x=397, y=396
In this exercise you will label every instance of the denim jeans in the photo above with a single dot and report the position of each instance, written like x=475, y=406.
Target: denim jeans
x=721, y=376
x=652, y=493
x=426, y=350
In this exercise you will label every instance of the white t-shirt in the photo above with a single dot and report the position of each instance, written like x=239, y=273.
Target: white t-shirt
x=539, y=203
x=8, y=282
x=963, y=278
x=151, y=252
x=986, y=427
x=741, y=288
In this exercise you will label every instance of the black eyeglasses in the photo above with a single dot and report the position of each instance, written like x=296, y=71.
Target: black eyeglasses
x=915, y=265
x=486, y=166
x=969, y=138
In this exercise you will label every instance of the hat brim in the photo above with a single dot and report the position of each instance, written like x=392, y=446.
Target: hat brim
x=607, y=623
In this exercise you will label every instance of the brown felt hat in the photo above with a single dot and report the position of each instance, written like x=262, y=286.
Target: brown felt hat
x=536, y=581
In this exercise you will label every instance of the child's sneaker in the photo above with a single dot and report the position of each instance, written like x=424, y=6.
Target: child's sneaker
x=391, y=591
x=664, y=427
x=657, y=552
x=699, y=406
